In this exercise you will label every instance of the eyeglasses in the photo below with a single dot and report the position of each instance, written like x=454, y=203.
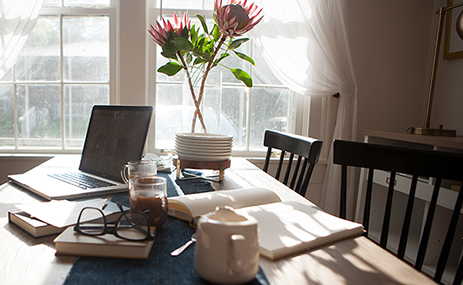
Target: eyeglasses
x=131, y=225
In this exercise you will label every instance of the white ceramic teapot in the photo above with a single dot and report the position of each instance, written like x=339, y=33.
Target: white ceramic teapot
x=227, y=249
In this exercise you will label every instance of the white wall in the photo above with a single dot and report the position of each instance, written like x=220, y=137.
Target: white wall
x=448, y=95
x=391, y=44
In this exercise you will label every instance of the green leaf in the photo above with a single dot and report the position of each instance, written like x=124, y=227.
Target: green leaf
x=183, y=44
x=207, y=57
x=198, y=52
x=200, y=41
x=216, y=32
x=184, y=33
x=193, y=34
x=245, y=57
x=199, y=60
x=203, y=23
x=242, y=76
x=222, y=56
x=170, y=68
x=188, y=58
x=237, y=43
x=169, y=51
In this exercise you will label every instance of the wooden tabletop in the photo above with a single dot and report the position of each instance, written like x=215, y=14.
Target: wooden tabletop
x=26, y=260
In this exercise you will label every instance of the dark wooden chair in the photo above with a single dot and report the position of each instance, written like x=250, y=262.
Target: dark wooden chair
x=416, y=163
x=307, y=151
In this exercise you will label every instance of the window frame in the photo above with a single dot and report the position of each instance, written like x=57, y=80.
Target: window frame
x=132, y=54
x=60, y=12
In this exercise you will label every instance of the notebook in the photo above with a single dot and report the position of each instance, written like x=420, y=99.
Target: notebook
x=115, y=135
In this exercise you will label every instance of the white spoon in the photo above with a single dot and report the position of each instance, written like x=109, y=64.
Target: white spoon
x=179, y=250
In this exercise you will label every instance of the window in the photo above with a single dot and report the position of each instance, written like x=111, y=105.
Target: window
x=86, y=52
x=228, y=106
x=62, y=71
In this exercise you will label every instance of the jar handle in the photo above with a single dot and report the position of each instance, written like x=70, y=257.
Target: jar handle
x=237, y=256
x=123, y=175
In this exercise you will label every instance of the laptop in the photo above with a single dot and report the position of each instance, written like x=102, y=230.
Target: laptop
x=115, y=135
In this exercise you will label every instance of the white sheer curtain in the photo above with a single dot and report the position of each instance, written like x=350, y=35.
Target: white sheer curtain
x=306, y=45
x=17, y=20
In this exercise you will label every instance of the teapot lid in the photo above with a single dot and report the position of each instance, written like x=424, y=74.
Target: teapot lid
x=228, y=215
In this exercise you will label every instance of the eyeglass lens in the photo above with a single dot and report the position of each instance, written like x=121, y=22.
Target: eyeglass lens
x=91, y=222
x=131, y=225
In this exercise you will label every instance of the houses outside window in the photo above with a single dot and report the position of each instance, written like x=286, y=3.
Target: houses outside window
x=61, y=72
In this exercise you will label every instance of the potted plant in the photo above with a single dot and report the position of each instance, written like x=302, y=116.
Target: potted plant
x=197, y=50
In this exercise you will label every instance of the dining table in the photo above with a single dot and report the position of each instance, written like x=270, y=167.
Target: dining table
x=357, y=260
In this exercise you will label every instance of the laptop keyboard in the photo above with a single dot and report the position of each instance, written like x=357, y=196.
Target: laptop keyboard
x=81, y=180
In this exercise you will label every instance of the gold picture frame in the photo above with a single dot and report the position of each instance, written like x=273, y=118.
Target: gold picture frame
x=453, y=45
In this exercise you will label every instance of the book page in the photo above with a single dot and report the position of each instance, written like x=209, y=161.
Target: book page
x=195, y=205
x=60, y=213
x=298, y=226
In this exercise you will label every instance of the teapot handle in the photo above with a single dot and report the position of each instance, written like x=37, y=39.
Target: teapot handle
x=237, y=254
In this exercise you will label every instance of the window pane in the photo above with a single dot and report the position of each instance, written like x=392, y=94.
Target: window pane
x=79, y=100
x=51, y=3
x=8, y=76
x=171, y=116
x=39, y=115
x=182, y=4
x=234, y=61
x=270, y=109
x=215, y=118
x=6, y=116
x=39, y=59
x=86, y=48
x=84, y=3
x=234, y=106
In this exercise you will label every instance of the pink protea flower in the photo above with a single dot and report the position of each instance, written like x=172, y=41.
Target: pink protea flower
x=165, y=31
x=235, y=18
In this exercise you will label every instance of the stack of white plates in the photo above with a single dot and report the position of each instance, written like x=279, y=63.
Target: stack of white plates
x=203, y=147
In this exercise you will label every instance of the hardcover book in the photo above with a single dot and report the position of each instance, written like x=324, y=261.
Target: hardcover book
x=48, y=218
x=71, y=243
x=285, y=228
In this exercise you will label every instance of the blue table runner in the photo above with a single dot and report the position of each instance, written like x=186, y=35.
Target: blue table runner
x=160, y=267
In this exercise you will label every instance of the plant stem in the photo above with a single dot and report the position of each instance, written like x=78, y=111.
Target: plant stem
x=192, y=90
x=203, y=82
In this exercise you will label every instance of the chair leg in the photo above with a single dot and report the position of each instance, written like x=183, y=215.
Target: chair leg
x=280, y=165
x=308, y=174
x=427, y=227
x=407, y=219
x=296, y=170
x=387, y=212
x=267, y=159
x=366, y=211
x=342, y=206
x=288, y=169
x=300, y=180
x=448, y=238
x=459, y=274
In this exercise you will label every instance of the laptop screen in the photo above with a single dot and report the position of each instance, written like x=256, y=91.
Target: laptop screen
x=115, y=135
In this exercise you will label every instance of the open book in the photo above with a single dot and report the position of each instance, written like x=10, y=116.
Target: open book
x=285, y=228
x=53, y=217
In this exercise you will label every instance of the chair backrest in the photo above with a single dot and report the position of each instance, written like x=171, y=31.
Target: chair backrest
x=307, y=151
x=416, y=163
